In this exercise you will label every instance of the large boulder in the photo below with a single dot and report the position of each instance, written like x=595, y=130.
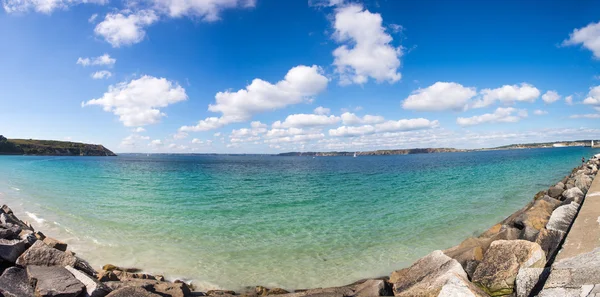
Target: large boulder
x=10, y=231
x=574, y=193
x=536, y=217
x=14, y=283
x=550, y=240
x=93, y=287
x=10, y=218
x=555, y=192
x=583, y=182
x=528, y=278
x=497, y=273
x=562, y=217
x=53, y=243
x=371, y=287
x=10, y=250
x=426, y=276
x=53, y=281
x=41, y=254
x=459, y=287
x=132, y=292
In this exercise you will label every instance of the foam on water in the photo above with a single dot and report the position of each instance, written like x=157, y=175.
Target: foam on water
x=230, y=222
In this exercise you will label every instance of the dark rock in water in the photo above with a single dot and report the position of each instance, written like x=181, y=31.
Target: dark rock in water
x=168, y=289
x=53, y=243
x=10, y=231
x=219, y=292
x=549, y=240
x=6, y=209
x=371, y=287
x=43, y=255
x=14, y=283
x=10, y=250
x=555, y=192
x=93, y=288
x=110, y=267
x=132, y=292
x=39, y=235
x=426, y=276
x=277, y=291
x=9, y=218
x=497, y=272
x=106, y=276
x=53, y=281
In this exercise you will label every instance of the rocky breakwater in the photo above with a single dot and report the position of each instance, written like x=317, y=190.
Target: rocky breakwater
x=512, y=258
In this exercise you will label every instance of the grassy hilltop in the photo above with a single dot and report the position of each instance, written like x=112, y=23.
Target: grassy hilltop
x=50, y=148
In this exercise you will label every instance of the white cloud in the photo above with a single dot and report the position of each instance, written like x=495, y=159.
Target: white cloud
x=585, y=116
x=306, y=120
x=502, y=114
x=44, y=6
x=92, y=18
x=138, y=130
x=550, y=97
x=300, y=84
x=440, y=96
x=539, y=112
x=217, y=134
x=508, y=94
x=322, y=110
x=101, y=74
x=593, y=97
x=137, y=102
x=133, y=139
x=388, y=126
x=155, y=143
x=256, y=128
x=569, y=100
x=366, y=50
x=325, y=3
x=588, y=37
x=349, y=118
x=97, y=61
x=207, y=10
x=180, y=135
x=119, y=29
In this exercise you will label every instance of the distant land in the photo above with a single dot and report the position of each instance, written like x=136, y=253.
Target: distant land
x=50, y=148
x=441, y=150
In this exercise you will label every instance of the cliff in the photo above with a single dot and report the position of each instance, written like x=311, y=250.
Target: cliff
x=50, y=148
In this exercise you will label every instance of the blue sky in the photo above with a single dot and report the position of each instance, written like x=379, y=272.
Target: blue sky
x=321, y=75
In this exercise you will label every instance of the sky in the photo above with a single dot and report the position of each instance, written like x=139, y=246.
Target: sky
x=271, y=76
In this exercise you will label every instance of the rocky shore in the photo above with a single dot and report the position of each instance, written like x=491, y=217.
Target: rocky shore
x=512, y=258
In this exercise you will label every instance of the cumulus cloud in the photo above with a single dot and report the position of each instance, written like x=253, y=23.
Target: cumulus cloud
x=207, y=10
x=569, y=100
x=322, y=110
x=539, y=112
x=136, y=102
x=101, y=74
x=306, y=120
x=92, y=18
x=588, y=37
x=593, y=97
x=301, y=83
x=119, y=29
x=43, y=6
x=585, y=116
x=349, y=118
x=366, y=50
x=133, y=140
x=501, y=115
x=104, y=60
x=508, y=94
x=388, y=126
x=139, y=130
x=440, y=96
x=156, y=143
x=550, y=97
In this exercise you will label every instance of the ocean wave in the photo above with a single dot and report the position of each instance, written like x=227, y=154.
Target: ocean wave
x=35, y=217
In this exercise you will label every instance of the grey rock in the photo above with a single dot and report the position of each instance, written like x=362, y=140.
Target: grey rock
x=132, y=292
x=555, y=192
x=41, y=254
x=497, y=273
x=562, y=217
x=561, y=292
x=93, y=287
x=6, y=209
x=372, y=287
x=549, y=240
x=528, y=278
x=583, y=269
x=560, y=185
x=9, y=218
x=10, y=231
x=459, y=287
x=53, y=243
x=53, y=281
x=583, y=182
x=10, y=250
x=574, y=193
x=14, y=283
x=426, y=276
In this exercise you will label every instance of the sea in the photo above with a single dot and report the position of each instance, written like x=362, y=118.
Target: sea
x=232, y=222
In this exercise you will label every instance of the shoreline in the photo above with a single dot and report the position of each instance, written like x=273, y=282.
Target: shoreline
x=386, y=284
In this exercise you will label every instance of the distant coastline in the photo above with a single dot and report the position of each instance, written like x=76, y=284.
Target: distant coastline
x=50, y=148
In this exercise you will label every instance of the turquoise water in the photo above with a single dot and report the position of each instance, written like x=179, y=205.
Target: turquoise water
x=292, y=222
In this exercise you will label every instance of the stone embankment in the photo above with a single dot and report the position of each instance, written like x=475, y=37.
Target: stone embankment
x=513, y=258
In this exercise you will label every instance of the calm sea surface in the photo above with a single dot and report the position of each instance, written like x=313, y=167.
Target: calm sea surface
x=292, y=222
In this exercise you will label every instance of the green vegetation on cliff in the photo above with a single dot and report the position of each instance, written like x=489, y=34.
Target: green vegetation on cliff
x=50, y=148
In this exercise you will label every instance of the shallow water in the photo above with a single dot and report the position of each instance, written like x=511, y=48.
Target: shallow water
x=292, y=222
